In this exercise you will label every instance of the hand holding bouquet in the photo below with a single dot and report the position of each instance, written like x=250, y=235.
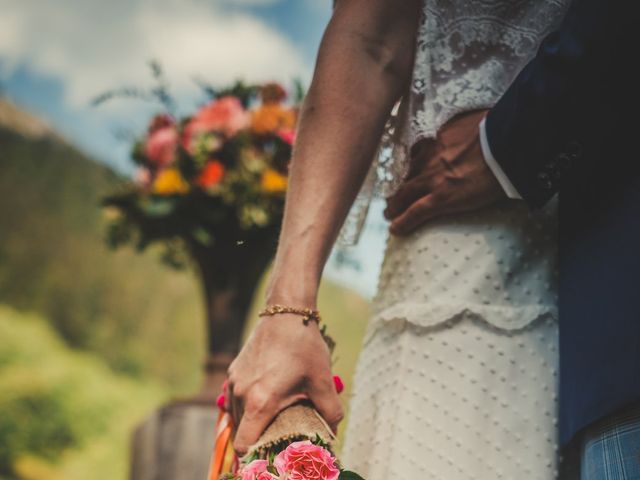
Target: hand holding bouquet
x=297, y=444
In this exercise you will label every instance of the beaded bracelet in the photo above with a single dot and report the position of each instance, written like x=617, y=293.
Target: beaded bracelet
x=307, y=314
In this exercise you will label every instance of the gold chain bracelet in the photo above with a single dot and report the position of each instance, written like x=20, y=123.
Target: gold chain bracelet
x=308, y=314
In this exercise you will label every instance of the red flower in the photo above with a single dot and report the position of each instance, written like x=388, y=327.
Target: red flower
x=273, y=93
x=211, y=174
x=160, y=121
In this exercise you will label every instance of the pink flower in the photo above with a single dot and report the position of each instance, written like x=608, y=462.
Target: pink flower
x=143, y=177
x=160, y=147
x=288, y=135
x=256, y=470
x=306, y=461
x=266, y=476
x=226, y=115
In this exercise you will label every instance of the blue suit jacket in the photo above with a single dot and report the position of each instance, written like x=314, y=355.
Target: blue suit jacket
x=569, y=124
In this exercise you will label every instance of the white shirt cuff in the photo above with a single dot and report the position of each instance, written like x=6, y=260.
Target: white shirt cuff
x=494, y=166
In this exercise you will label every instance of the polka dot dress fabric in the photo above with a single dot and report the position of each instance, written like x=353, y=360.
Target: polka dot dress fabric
x=457, y=379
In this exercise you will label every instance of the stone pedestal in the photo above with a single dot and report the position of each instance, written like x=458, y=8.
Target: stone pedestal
x=174, y=443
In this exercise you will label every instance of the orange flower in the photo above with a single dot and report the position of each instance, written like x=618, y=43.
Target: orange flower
x=271, y=117
x=170, y=182
x=211, y=174
x=273, y=181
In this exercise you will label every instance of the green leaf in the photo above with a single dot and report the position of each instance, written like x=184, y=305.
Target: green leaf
x=202, y=236
x=158, y=206
x=271, y=469
x=349, y=475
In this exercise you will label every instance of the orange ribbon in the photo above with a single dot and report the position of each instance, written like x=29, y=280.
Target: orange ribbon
x=223, y=459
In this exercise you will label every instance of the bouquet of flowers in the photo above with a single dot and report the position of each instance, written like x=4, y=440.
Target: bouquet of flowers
x=210, y=191
x=218, y=175
x=297, y=445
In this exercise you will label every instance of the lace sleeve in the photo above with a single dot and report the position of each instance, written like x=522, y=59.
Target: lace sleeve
x=467, y=54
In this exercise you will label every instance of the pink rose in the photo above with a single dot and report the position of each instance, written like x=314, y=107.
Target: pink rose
x=256, y=470
x=306, y=461
x=226, y=115
x=160, y=147
x=266, y=476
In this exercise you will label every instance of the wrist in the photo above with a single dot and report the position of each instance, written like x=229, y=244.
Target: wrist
x=292, y=290
x=286, y=297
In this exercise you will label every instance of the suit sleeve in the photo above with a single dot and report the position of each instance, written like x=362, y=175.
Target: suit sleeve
x=540, y=128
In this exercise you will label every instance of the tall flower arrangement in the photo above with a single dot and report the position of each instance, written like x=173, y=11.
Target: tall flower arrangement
x=210, y=188
x=230, y=155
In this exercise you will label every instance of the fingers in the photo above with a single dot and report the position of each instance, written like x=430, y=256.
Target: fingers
x=258, y=412
x=421, y=153
x=421, y=211
x=407, y=195
x=324, y=396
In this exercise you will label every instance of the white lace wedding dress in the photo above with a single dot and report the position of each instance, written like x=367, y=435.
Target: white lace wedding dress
x=458, y=374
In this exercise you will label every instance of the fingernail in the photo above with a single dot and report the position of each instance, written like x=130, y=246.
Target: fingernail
x=221, y=401
x=337, y=381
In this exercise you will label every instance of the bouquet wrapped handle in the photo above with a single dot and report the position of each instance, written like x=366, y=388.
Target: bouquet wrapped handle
x=300, y=421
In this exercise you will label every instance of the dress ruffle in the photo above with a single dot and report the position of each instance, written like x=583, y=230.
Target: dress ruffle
x=432, y=316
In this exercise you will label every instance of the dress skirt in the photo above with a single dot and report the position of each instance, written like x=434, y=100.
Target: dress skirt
x=457, y=379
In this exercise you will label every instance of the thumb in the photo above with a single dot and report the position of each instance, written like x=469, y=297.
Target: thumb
x=325, y=399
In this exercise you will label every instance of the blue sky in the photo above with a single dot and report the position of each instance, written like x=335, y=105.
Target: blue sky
x=56, y=55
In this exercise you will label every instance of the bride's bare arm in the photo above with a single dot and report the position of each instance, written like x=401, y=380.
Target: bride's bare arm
x=364, y=63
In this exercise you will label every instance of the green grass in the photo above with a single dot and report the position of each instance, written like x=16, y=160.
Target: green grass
x=65, y=414
x=123, y=306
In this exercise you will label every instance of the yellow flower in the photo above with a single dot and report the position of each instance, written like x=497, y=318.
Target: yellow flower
x=169, y=182
x=271, y=117
x=273, y=181
x=112, y=213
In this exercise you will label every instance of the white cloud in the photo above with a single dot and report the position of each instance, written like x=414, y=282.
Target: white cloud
x=95, y=45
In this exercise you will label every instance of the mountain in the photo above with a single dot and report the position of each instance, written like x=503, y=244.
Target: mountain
x=17, y=120
x=53, y=260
